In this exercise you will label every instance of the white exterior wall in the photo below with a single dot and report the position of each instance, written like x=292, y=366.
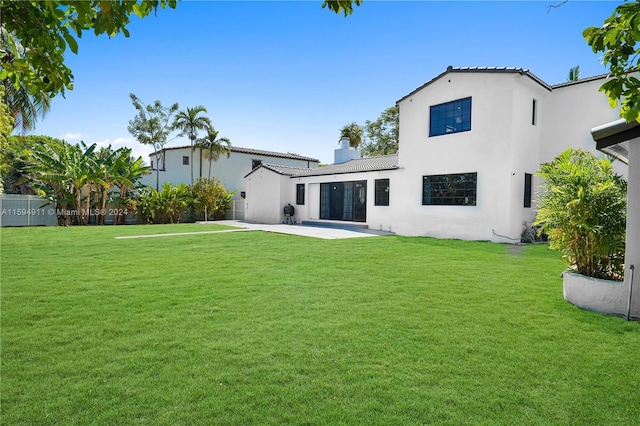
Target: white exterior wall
x=501, y=146
x=230, y=171
x=632, y=252
x=569, y=116
x=378, y=217
x=265, y=190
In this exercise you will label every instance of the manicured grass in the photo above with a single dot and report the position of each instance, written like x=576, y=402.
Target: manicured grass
x=258, y=328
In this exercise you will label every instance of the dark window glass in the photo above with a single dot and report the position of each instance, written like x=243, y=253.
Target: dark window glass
x=450, y=190
x=534, y=112
x=243, y=194
x=344, y=201
x=185, y=160
x=451, y=117
x=382, y=192
x=527, y=189
x=300, y=194
x=255, y=163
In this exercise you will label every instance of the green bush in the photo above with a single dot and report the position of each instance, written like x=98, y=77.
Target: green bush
x=210, y=198
x=582, y=208
x=165, y=206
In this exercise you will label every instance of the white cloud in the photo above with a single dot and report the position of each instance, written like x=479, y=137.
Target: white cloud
x=71, y=136
x=137, y=149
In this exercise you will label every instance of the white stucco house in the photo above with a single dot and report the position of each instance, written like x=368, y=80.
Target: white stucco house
x=471, y=141
x=174, y=165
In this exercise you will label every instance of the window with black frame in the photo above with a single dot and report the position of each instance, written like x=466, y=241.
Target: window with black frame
x=528, y=179
x=449, y=190
x=300, y=194
x=450, y=117
x=382, y=192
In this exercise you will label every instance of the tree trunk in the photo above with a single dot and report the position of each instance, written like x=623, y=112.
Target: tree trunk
x=103, y=209
x=191, y=162
x=79, y=206
x=88, y=204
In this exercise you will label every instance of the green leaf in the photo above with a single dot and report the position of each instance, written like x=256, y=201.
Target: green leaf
x=73, y=44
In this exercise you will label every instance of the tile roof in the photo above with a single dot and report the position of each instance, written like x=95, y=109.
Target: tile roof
x=242, y=150
x=383, y=162
x=581, y=80
x=504, y=70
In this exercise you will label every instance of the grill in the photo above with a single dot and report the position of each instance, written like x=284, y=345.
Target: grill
x=289, y=211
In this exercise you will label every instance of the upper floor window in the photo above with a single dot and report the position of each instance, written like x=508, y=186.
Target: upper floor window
x=450, y=117
x=300, y=194
x=185, y=160
x=255, y=163
x=450, y=190
x=382, y=192
x=534, y=112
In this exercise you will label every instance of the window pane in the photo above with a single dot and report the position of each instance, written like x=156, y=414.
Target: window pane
x=527, y=189
x=451, y=117
x=382, y=192
x=452, y=190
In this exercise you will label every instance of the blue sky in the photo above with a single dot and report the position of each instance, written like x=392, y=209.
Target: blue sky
x=286, y=76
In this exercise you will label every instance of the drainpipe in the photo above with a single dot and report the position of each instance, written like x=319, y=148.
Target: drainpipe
x=631, y=270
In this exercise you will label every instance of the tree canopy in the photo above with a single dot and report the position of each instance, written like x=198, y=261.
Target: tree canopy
x=341, y=6
x=381, y=135
x=47, y=29
x=619, y=40
x=353, y=131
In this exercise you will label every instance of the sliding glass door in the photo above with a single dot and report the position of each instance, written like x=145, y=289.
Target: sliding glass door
x=344, y=201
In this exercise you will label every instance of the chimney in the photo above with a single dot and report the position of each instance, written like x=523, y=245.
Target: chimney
x=345, y=152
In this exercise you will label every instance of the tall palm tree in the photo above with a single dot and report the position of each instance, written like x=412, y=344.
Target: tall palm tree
x=352, y=131
x=189, y=122
x=214, y=146
x=25, y=107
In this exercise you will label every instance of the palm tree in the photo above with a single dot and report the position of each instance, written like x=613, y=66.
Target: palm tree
x=574, y=73
x=214, y=146
x=189, y=122
x=68, y=170
x=23, y=106
x=352, y=131
x=130, y=170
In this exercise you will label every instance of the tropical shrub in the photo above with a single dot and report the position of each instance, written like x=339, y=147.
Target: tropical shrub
x=165, y=206
x=582, y=208
x=210, y=198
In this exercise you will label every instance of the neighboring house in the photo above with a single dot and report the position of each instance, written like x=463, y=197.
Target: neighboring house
x=471, y=141
x=175, y=167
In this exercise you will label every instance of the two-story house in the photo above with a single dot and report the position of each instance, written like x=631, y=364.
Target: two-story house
x=471, y=141
x=174, y=164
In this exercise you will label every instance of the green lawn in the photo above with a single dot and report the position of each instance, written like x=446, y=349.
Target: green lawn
x=259, y=328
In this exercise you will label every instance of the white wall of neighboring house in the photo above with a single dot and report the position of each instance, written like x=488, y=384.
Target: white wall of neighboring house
x=505, y=143
x=230, y=171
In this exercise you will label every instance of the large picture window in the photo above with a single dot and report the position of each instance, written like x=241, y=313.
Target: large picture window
x=449, y=190
x=382, y=192
x=450, y=117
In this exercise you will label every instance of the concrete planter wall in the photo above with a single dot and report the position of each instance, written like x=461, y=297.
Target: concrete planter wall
x=593, y=294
